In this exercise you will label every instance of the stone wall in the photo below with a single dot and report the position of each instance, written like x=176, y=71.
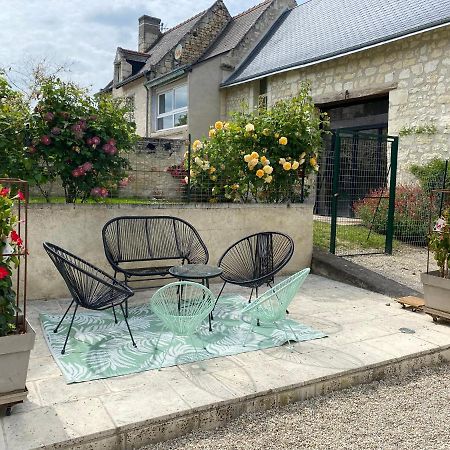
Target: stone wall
x=413, y=71
x=78, y=229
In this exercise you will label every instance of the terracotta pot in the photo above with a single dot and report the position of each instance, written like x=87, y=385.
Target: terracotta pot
x=437, y=291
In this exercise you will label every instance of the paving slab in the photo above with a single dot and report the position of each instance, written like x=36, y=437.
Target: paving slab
x=365, y=342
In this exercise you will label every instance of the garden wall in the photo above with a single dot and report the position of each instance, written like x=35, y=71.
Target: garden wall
x=78, y=229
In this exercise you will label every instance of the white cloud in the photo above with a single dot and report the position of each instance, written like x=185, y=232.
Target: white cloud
x=84, y=34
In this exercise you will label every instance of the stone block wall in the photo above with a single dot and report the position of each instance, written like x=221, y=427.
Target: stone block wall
x=414, y=72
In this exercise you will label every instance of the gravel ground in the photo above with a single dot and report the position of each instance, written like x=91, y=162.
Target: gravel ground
x=411, y=413
x=404, y=266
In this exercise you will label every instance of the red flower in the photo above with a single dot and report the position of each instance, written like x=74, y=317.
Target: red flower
x=16, y=238
x=4, y=192
x=4, y=272
x=20, y=195
x=46, y=140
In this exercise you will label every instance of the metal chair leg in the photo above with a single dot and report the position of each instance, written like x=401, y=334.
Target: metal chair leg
x=114, y=311
x=215, y=304
x=63, y=317
x=70, y=327
x=128, y=326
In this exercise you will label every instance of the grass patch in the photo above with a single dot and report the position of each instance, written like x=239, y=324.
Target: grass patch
x=349, y=237
x=106, y=201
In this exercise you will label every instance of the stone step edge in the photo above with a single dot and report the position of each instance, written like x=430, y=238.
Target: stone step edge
x=212, y=416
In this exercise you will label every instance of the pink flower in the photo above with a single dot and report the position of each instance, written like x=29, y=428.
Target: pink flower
x=124, y=182
x=31, y=149
x=78, y=172
x=103, y=192
x=82, y=124
x=109, y=149
x=86, y=167
x=20, y=196
x=95, y=140
x=99, y=192
x=48, y=117
x=112, y=142
x=89, y=141
x=46, y=140
x=56, y=131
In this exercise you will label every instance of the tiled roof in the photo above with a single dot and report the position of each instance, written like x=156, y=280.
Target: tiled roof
x=320, y=29
x=236, y=30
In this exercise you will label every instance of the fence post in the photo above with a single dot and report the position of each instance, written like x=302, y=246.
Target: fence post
x=392, y=186
x=335, y=191
x=189, y=170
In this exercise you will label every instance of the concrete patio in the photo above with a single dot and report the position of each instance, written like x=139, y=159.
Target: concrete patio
x=364, y=343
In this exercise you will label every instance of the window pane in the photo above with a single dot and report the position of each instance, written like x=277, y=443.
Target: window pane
x=181, y=99
x=165, y=103
x=181, y=119
x=165, y=122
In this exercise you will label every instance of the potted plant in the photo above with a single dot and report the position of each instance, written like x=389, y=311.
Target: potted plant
x=436, y=284
x=16, y=335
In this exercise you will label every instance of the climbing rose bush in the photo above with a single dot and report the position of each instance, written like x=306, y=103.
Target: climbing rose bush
x=77, y=140
x=259, y=156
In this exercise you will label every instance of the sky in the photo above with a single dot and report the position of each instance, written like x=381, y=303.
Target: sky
x=82, y=35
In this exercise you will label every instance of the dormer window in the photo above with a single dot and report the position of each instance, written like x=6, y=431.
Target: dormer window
x=116, y=73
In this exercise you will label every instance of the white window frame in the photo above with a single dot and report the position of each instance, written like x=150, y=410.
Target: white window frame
x=173, y=112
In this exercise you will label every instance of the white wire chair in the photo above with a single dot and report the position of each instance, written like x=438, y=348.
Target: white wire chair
x=272, y=305
x=182, y=307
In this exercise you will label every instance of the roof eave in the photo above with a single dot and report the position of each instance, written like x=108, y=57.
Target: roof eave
x=333, y=56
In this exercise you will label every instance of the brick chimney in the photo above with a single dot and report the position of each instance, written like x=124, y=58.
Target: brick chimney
x=149, y=32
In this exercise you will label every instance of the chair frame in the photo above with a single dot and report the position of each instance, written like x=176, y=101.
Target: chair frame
x=180, y=286
x=267, y=278
x=299, y=278
x=123, y=291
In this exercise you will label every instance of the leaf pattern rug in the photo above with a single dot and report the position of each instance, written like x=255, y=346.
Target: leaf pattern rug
x=99, y=348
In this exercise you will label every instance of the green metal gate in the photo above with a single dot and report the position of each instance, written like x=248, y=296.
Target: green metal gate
x=356, y=193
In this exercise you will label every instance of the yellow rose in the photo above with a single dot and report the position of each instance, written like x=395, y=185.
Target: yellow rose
x=277, y=135
x=302, y=161
x=295, y=165
x=254, y=155
x=268, y=169
x=212, y=170
x=282, y=140
x=282, y=161
x=268, y=179
x=218, y=125
x=198, y=161
x=260, y=173
x=226, y=126
x=212, y=132
x=213, y=177
x=316, y=168
x=287, y=166
x=266, y=132
x=249, y=128
x=263, y=159
x=235, y=186
x=185, y=155
x=302, y=156
x=247, y=158
x=197, y=145
x=313, y=162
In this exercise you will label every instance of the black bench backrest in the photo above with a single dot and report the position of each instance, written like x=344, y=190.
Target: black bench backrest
x=152, y=238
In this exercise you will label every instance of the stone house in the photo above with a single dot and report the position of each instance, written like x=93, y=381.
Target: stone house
x=375, y=65
x=173, y=80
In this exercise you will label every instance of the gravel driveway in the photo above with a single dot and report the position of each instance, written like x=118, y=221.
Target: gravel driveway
x=404, y=266
x=411, y=413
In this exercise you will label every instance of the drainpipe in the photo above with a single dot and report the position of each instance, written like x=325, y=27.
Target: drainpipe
x=147, y=106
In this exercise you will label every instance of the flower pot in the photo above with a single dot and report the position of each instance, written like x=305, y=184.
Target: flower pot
x=14, y=357
x=436, y=291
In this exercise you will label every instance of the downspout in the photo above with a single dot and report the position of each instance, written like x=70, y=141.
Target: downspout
x=147, y=106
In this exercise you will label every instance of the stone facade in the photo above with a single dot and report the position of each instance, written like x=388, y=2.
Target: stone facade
x=414, y=72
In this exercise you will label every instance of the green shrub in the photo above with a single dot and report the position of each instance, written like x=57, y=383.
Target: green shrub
x=260, y=156
x=431, y=175
x=412, y=206
x=78, y=140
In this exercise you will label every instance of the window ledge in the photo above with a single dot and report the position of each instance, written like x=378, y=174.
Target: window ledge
x=180, y=131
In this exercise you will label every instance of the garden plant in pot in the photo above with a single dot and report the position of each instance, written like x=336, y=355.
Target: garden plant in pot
x=436, y=284
x=16, y=335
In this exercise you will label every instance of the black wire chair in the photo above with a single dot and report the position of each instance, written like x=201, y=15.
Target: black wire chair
x=254, y=260
x=90, y=287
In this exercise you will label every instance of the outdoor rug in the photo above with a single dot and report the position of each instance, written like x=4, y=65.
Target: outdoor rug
x=99, y=348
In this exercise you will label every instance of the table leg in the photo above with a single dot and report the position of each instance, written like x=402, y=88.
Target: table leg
x=205, y=282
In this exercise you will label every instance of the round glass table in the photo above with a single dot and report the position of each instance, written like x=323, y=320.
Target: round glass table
x=203, y=272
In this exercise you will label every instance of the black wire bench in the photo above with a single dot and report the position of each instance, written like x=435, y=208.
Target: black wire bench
x=133, y=243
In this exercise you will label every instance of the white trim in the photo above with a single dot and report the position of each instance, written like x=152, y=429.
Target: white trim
x=173, y=112
x=312, y=63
